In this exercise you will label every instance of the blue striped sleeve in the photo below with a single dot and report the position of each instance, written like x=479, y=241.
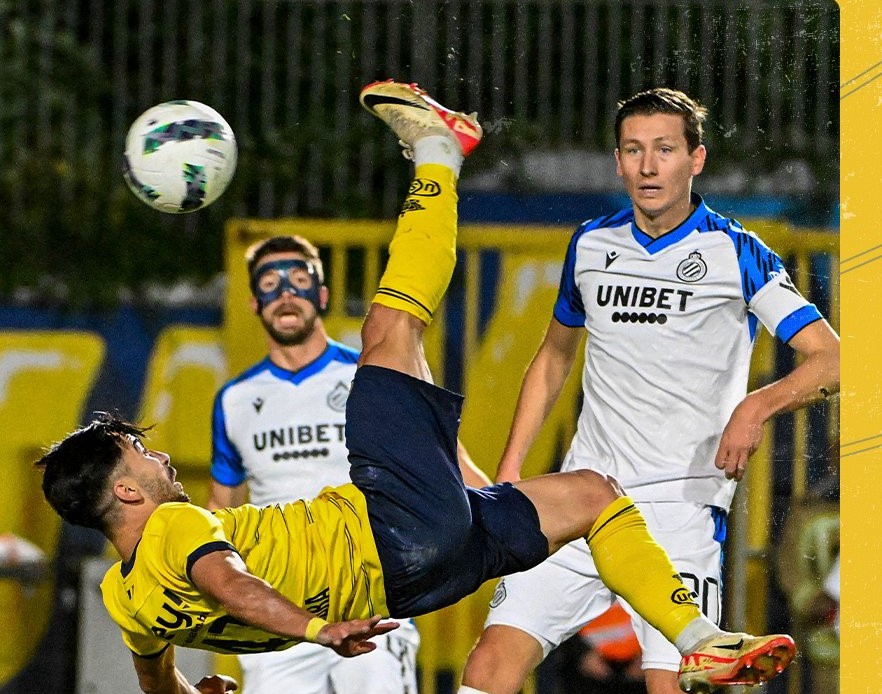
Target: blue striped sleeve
x=757, y=262
x=226, y=463
x=569, y=309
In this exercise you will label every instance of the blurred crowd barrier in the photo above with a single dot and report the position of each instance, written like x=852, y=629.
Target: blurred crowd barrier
x=45, y=378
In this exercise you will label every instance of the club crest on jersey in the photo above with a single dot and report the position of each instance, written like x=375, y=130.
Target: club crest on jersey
x=498, y=595
x=692, y=268
x=337, y=398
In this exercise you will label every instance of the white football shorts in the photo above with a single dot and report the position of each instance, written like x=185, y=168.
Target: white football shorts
x=555, y=599
x=308, y=668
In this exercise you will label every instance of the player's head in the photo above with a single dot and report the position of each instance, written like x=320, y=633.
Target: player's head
x=658, y=151
x=92, y=472
x=669, y=101
x=281, y=271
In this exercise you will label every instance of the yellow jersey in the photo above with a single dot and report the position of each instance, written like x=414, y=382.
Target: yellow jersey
x=320, y=554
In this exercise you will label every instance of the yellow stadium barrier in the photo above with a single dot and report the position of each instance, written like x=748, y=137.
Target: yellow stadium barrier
x=45, y=379
x=530, y=259
x=186, y=368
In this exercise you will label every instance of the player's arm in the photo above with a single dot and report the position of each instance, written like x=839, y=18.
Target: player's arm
x=815, y=378
x=222, y=576
x=224, y=496
x=543, y=382
x=158, y=675
x=472, y=475
x=229, y=486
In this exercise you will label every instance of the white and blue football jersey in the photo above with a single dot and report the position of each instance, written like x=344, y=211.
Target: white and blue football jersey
x=283, y=431
x=671, y=326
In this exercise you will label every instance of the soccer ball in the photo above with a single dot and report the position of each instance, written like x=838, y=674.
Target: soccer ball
x=180, y=156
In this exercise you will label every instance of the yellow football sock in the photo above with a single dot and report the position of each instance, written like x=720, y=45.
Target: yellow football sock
x=422, y=253
x=634, y=566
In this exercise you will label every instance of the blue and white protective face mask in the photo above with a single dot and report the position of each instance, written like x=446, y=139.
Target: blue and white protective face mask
x=272, y=279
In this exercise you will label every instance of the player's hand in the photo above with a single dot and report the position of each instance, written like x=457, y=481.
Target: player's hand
x=741, y=437
x=216, y=684
x=351, y=638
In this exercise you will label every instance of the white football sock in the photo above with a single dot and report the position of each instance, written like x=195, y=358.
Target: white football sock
x=438, y=149
x=696, y=631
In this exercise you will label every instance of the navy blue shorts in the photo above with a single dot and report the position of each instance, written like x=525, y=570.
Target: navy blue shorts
x=438, y=540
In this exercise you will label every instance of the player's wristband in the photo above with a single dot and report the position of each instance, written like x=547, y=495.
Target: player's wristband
x=313, y=627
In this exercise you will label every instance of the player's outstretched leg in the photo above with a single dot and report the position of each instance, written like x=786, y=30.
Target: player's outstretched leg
x=422, y=253
x=585, y=504
x=620, y=541
x=401, y=430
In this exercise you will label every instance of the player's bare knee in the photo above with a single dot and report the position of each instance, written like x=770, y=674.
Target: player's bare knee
x=380, y=323
x=392, y=338
x=596, y=490
x=615, y=483
x=480, y=668
x=501, y=660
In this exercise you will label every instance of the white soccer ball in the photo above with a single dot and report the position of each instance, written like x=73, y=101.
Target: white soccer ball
x=180, y=156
